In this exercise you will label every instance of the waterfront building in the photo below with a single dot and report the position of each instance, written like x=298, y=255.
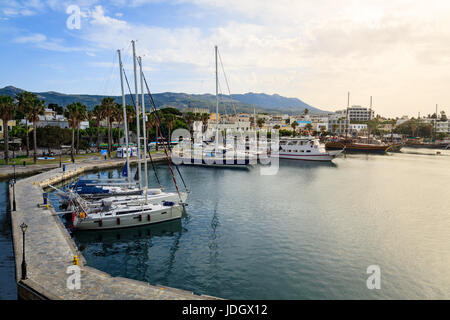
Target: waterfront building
x=10, y=124
x=195, y=110
x=443, y=127
x=357, y=113
x=337, y=123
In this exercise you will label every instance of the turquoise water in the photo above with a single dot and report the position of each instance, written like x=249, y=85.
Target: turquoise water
x=309, y=232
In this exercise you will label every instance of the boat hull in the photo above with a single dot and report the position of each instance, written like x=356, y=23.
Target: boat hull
x=128, y=220
x=324, y=157
x=219, y=163
x=359, y=148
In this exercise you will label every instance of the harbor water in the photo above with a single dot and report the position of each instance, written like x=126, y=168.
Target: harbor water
x=309, y=232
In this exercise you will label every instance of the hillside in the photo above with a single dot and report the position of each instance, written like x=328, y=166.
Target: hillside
x=239, y=102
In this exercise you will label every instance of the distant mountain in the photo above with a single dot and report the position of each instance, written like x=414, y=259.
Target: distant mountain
x=274, y=101
x=236, y=103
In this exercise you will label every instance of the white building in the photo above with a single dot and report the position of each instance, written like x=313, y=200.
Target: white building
x=356, y=127
x=443, y=127
x=357, y=113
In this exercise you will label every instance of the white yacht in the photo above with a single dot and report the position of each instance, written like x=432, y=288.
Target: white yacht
x=154, y=196
x=305, y=148
x=126, y=215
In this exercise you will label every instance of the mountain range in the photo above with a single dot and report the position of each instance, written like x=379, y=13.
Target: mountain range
x=248, y=102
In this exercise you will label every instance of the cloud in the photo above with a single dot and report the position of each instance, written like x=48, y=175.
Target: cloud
x=41, y=41
x=315, y=50
x=34, y=38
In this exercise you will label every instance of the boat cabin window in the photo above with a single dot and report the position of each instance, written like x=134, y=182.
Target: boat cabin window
x=292, y=143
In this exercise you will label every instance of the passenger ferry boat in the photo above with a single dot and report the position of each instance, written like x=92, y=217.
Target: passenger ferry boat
x=305, y=148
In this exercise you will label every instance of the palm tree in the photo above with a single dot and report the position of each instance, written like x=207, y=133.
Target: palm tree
x=118, y=117
x=260, y=122
x=294, y=126
x=25, y=100
x=169, y=120
x=190, y=118
x=81, y=116
x=37, y=107
x=74, y=113
x=205, y=119
x=308, y=127
x=151, y=122
x=108, y=107
x=306, y=111
x=7, y=109
x=98, y=114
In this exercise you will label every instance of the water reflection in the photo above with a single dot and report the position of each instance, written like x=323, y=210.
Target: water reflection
x=307, y=164
x=121, y=236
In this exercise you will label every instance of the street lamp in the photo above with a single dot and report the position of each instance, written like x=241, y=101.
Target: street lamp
x=14, y=189
x=24, y=227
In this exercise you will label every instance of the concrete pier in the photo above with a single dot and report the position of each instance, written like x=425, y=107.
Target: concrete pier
x=50, y=250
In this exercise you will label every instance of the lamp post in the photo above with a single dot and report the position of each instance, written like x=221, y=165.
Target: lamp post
x=24, y=227
x=60, y=156
x=14, y=188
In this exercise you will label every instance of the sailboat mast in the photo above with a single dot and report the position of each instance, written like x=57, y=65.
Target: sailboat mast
x=124, y=118
x=370, y=118
x=217, y=103
x=347, y=120
x=137, y=115
x=435, y=124
x=144, y=131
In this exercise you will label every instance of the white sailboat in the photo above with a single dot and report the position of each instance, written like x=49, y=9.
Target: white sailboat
x=124, y=209
x=126, y=215
x=216, y=155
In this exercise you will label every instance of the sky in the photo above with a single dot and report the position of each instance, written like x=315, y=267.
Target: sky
x=397, y=51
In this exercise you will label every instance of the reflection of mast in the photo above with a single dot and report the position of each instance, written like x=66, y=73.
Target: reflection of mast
x=173, y=250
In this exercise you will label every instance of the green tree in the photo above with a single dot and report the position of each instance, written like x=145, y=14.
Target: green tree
x=98, y=114
x=190, y=118
x=75, y=113
x=108, y=106
x=260, y=122
x=37, y=108
x=7, y=109
x=308, y=126
x=25, y=100
x=294, y=126
x=205, y=119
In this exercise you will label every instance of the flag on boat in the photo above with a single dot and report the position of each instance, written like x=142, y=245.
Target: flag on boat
x=125, y=170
